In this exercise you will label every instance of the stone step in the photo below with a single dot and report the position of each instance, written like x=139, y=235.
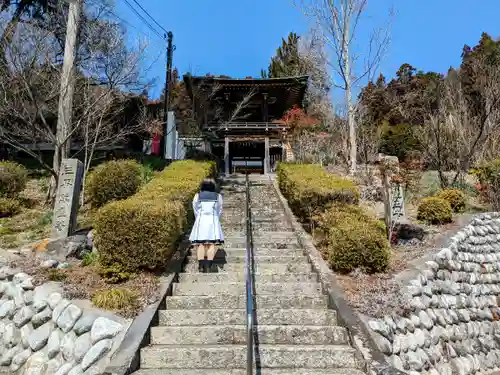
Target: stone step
x=261, y=371
x=261, y=236
x=240, y=276
x=269, y=244
x=208, y=289
x=269, y=227
x=234, y=356
x=258, y=259
x=261, y=251
x=264, y=268
x=200, y=317
x=239, y=211
x=291, y=238
x=237, y=334
x=263, y=301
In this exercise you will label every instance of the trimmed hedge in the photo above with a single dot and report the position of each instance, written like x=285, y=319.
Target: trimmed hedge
x=435, y=210
x=347, y=237
x=309, y=188
x=351, y=239
x=13, y=178
x=113, y=180
x=455, y=197
x=143, y=231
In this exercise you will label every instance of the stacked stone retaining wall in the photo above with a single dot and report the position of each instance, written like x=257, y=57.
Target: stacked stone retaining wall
x=43, y=333
x=452, y=325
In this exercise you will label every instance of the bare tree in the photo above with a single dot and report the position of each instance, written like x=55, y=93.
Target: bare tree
x=313, y=61
x=30, y=93
x=459, y=134
x=28, y=108
x=338, y=20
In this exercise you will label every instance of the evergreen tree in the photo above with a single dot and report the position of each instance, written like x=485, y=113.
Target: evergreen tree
x=286, y=63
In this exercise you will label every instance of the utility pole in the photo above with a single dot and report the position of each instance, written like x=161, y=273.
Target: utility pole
x=166, y=99
x=67, y=88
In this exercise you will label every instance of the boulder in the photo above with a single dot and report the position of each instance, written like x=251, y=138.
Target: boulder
x=68, y=247
x=409, y=231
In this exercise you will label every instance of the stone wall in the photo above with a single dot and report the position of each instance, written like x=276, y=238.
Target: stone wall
x=452, y=324
x=43, y=333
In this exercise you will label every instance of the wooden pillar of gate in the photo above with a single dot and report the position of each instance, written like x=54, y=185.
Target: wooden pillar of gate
x=226, y=156
x=266, y=156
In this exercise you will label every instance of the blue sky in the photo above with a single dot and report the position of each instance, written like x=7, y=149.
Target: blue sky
x=238, y=37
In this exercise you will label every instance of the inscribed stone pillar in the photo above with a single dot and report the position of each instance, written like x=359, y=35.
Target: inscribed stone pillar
x=226, y=156
x=67, y=198
x=389, y=166
x=266, y=156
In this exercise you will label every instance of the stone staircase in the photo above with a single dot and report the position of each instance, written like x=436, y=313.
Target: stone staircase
x=203, y=331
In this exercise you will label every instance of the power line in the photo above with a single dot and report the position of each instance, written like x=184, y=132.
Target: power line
x=150, y=16
x=124, y=21
x=142, y=18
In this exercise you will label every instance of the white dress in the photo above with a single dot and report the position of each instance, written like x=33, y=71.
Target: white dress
x=207, y=207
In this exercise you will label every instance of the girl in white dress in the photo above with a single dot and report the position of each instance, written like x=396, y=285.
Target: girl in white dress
x=207, y=230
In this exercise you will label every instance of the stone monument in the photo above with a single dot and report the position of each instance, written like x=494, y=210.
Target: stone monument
x=392, y=192
x=397, y=202
x=67, y=198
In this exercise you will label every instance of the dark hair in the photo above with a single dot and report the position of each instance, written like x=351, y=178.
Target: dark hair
x=208, y=185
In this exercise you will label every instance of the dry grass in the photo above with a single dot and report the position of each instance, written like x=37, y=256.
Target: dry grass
x=80, y=282
x=34, y=221
x=115, y=299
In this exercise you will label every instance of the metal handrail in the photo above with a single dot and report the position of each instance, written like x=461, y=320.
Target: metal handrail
x=249, y=278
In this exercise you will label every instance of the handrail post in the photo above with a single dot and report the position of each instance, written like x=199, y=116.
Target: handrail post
x=248, y=278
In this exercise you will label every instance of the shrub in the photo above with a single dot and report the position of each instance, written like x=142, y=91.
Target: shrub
x=488, y=174
x=435, y=210
x=9, y=207
x=115, y=299
x=143, y=231
x=147, y=173
x=13, y=177
x=113, y=180
x=350, y=239
x=309, y=188
x=456, y=199
x=55, y=274
x=114, y=273
x=89, y=259
x=156, y=163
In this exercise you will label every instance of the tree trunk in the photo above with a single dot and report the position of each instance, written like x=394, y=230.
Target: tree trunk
x=443, y=180
x=63, y=141
x=65, y=109
x=56, y=166
x=353, y=151
x=348, y=90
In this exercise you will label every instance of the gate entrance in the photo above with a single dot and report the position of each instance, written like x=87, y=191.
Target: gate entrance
x=246, y=157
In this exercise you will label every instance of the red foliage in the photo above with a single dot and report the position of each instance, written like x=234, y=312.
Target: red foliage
x=297, y=119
